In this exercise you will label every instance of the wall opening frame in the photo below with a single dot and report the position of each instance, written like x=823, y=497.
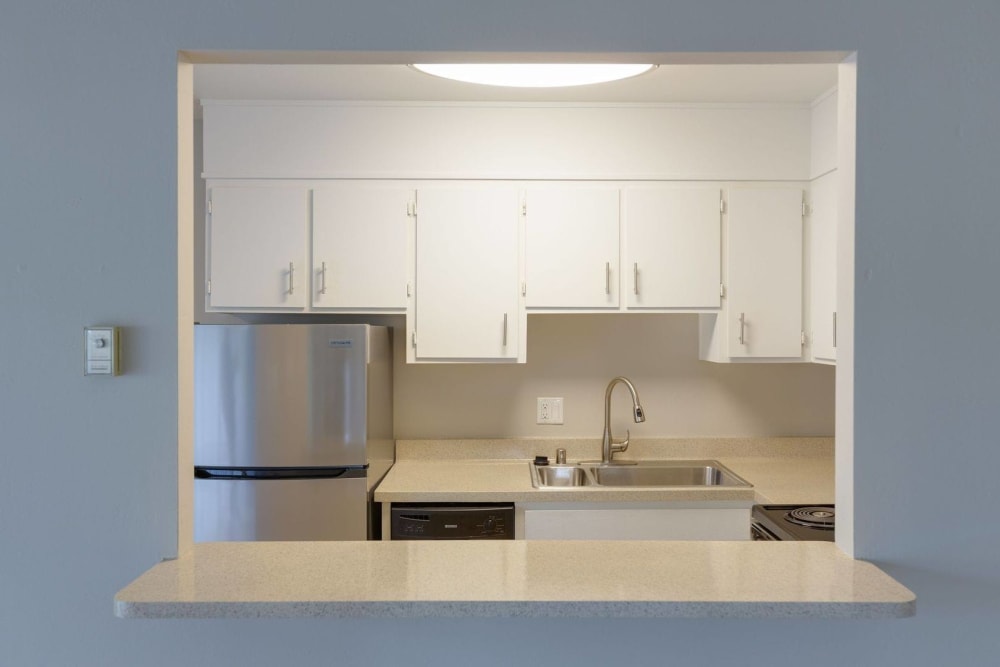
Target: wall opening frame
x=846, y=152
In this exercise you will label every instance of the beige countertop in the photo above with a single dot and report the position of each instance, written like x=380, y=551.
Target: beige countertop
x=491, y=578
x=515, y=578
x=510, y=481
x=781, y=470
x=784, y=481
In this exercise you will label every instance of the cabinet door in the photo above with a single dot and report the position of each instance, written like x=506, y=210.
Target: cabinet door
x=257, y=248
x=571, y=247
x=673, y=247
x=467, y=273
x=637, y=524
x=823, y=266
x=765, y=272
x=359, y=246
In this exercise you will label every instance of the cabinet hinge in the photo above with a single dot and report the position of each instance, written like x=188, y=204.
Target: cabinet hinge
x=722, y=203
x=802, y=337
x=413, y=339
x=210, y=207
x=208, y=286
x=409, y=291
x=524, y=208
x=411, y=209
x=524, y=289
x=722, y=289
x=805, y=209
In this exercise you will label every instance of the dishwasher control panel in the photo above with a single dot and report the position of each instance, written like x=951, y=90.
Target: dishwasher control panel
x=452, y=521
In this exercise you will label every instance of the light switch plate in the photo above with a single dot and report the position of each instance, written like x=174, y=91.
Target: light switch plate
x=101, y=351
x=550, y=411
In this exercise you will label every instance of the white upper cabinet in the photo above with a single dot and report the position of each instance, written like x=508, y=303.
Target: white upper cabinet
x=359, y=246
x=764, y=309
x=556, y=208
x=672, y=237
x=467, y=274
x=257, y=248
x=822, y=222
x=571, y=246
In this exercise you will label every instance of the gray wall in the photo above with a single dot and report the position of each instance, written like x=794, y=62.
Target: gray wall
x=87, y=210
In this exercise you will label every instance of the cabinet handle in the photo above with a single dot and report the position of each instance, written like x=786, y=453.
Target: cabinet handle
x=835, y=328
x=505, y=329
x=635, y=278
x=743, y=321
x=322, y=272
x=607, y=277
x=291, y=278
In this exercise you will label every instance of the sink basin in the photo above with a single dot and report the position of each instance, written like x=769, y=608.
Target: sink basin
x=559, y=475
x=682, y=474
x=644, y=474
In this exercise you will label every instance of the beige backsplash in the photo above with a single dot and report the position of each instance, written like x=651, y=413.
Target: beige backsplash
x=574, y=356
x=590, y=448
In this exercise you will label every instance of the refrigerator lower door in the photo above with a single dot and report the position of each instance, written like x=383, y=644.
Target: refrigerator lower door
x=280, y=509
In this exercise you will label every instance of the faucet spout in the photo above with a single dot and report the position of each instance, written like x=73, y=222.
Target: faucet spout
x=609, y=446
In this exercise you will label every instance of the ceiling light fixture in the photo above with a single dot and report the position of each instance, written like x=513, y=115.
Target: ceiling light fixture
x=535, y=75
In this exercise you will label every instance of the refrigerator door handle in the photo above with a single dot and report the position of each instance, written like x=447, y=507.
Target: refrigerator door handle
x=279, y=473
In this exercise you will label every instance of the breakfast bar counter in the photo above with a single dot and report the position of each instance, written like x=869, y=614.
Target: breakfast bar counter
x=515, y=578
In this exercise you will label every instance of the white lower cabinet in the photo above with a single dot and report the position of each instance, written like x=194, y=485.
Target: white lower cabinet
x=609, y=521
x=467, y=304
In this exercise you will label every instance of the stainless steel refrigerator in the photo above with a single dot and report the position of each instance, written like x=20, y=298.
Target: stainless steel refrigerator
x=292, y=430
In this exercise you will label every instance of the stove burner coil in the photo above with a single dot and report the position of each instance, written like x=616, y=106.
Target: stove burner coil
x=812, y=517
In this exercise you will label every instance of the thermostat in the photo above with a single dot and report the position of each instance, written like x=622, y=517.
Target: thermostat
x=101, y=346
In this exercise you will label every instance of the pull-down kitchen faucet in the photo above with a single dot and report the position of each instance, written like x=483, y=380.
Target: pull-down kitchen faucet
x=609, y=446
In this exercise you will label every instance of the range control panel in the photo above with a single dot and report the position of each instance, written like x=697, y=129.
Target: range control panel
x=452, y=521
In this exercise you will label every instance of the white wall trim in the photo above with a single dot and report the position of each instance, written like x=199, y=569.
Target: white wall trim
x=819, y=176
x=819, y=99
x=185, y=307
x=511, y=105
x=844, y=391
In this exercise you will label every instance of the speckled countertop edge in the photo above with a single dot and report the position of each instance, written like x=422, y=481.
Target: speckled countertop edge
x=487, y=609
x=515, y=578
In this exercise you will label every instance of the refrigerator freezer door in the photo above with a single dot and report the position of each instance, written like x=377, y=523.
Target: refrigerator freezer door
x=279, y=509
x=281, y=395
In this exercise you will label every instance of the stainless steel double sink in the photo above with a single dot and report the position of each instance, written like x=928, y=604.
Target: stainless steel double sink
x=644, y=474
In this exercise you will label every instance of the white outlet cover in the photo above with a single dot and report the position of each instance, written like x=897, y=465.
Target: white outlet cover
x=549, y=410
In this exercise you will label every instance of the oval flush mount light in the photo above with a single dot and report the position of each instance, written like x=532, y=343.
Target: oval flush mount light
x=531, y=75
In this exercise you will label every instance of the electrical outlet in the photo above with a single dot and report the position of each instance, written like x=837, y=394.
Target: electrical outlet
x=550, y=411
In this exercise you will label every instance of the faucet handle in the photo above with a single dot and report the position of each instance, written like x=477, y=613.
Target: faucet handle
x=622, y=445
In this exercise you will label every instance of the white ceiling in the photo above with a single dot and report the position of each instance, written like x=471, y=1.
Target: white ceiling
x=787, y=83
